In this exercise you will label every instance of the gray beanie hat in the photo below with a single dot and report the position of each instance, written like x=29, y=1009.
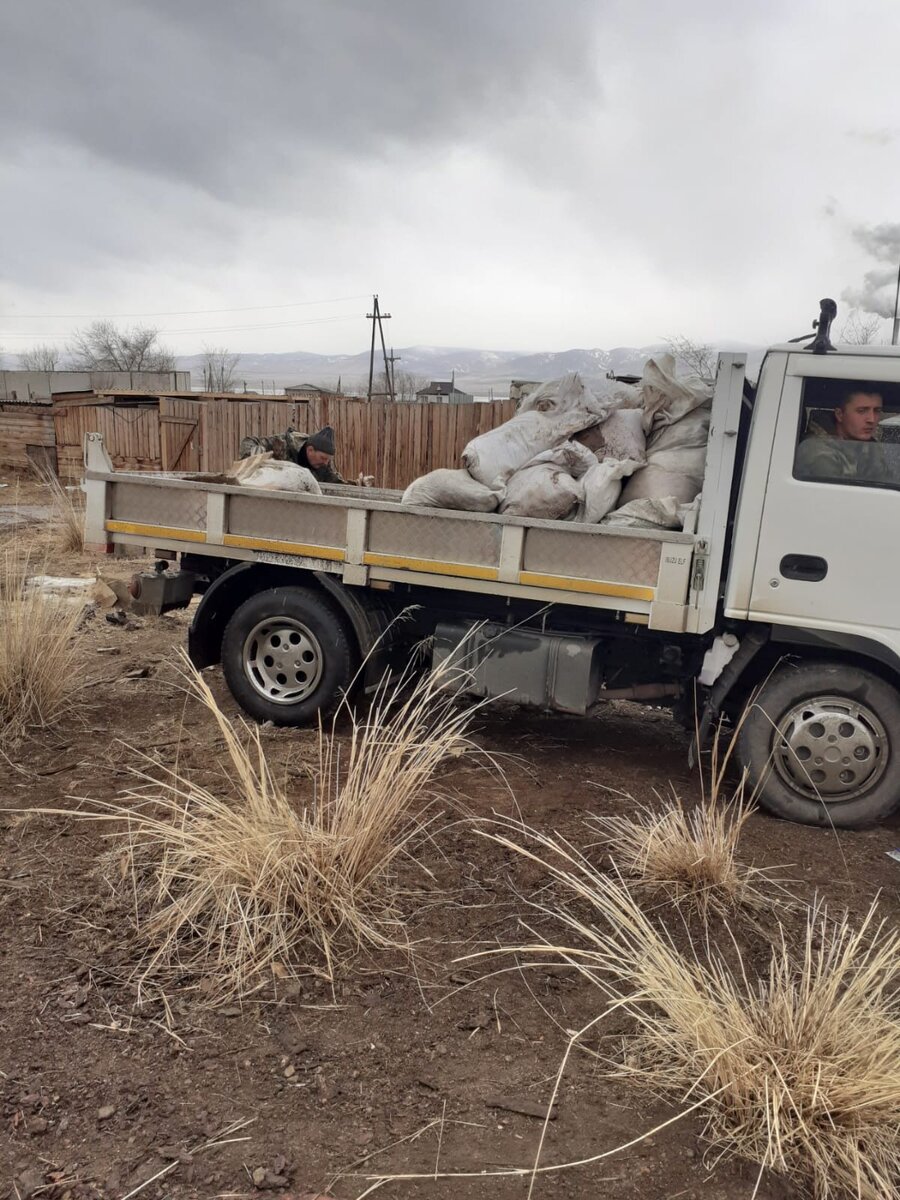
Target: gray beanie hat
x=323, y=440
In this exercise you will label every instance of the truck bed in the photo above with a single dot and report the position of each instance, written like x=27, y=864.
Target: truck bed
x=666, y=579
x=367, y=537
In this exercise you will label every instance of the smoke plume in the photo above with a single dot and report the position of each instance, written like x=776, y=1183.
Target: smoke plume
x=877, y=293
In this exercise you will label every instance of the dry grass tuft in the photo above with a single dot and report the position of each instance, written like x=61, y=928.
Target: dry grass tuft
x=689, y=857
x=795, y=1071
x=68, y=513
x=39, y=652
x=232, y=890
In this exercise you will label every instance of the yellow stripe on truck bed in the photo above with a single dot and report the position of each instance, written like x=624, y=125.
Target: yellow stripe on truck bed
x=157, y=531
x=429, y=566
x=333, y=553
x=567, y=583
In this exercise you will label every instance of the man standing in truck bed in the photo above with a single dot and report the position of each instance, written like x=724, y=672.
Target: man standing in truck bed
x=316, y=453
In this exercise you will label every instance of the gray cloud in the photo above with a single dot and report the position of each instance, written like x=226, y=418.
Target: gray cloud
x=878, y=290
x=503, y=172
x=235, y=97
x=881, y=241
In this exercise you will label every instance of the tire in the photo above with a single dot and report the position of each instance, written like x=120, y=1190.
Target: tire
x=821, y=745
x=287, y=656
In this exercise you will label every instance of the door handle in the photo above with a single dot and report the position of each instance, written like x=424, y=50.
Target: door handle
x=808, y=568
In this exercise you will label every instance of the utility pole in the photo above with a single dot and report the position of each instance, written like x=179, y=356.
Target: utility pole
x=377, y=316
x=896, y=330
x=392, y=358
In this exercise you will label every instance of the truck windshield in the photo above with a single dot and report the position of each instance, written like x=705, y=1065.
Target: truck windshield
x=849, y=433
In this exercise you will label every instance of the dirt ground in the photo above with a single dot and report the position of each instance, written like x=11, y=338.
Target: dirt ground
x=427, y=1068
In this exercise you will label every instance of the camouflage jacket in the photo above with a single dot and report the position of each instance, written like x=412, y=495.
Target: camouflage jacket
x=821, y=456
x=289, y=445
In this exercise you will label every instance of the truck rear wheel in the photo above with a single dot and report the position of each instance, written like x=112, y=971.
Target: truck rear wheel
x=821, y=745
x=287, y=656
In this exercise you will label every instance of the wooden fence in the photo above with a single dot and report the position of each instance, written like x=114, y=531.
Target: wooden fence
x=398, y=442
x=395, y=442
x=172, y=433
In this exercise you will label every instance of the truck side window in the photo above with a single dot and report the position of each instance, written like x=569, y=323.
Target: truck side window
x=849, y=433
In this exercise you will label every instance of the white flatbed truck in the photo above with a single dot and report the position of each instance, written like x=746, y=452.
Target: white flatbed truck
x=779, y=588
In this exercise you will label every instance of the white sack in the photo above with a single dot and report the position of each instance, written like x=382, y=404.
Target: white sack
x=452, y=489
x=666, y=398
x=675, y=463
x=273, y=475
x=493, y=456
x=571, y=456
x=654, y=482
x=602, y=485
x=565, y=395
x=691, y=432
x=621, y=435
x=645, y=514
x=283, y=477
x=676, y=455
x=545, y=491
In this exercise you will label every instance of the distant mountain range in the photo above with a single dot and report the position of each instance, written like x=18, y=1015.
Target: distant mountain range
x=481, y=372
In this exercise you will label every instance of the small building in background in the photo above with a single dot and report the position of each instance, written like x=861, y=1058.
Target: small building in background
x=27, y=419
x=36, y=387
x=306, y=391
x=441, y=392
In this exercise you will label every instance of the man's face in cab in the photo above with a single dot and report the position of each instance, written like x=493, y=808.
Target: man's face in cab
x=317, y=458
x=857, y=418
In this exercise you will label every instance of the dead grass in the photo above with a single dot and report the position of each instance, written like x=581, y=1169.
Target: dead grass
x=67, y=518
x=795, y=1071
x=39, y=652
x=689, y=856
x=234, y=889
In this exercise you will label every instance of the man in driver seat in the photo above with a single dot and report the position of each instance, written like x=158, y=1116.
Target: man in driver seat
x=853, y=450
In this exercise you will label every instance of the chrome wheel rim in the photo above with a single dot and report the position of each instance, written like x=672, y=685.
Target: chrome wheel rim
x=283, y=660
x=830, y=748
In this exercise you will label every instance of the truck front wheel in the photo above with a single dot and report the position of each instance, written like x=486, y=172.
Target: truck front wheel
x=287, y=656
x=821, y=745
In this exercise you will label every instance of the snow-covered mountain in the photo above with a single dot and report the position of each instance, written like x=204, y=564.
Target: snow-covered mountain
x=481, y=372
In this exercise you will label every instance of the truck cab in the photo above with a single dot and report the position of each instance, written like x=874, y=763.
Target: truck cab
x=812, y=576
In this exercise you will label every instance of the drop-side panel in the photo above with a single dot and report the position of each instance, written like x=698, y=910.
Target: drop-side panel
x=450, y=540
x=286, y=520
x=142, y=504
x=601, y=557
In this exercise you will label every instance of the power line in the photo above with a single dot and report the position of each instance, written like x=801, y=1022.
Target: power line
x=184, y=312
x=273, y=325
x=210, y=329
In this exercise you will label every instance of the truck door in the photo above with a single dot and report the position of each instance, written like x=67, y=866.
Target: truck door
x=826, y=556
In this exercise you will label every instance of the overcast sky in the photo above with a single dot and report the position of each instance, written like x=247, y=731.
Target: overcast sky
x=506, y=174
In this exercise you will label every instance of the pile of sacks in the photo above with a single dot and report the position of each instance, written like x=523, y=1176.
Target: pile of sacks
x=631, y=455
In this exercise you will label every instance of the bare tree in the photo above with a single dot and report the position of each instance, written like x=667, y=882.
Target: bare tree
x=860, y=328
x=405, y=385
x=695, y=358
x=104, y=347
x=219, y=366
x=380, y=387
x=40, y=358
